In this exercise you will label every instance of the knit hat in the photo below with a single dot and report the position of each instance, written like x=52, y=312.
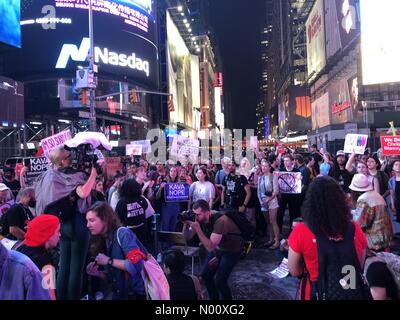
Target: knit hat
x=41, y=229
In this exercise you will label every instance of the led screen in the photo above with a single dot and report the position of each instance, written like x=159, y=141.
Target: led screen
x=10, y=31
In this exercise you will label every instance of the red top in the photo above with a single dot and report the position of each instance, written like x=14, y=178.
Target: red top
x=303, y=242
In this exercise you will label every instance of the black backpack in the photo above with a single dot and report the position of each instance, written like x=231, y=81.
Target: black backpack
x=337, y=261
x=247, y=231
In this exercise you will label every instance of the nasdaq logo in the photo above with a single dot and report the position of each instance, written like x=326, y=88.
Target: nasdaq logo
x=104, y=56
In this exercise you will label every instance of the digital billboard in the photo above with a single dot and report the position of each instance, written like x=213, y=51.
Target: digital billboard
x=180, y=65
x=379, y=46
x=11, y=102
x=316, y=58
x=55, y=39
x=10, y=30
x=320, y=112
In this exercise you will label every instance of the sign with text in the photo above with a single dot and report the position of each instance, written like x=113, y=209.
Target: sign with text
x=355, y=143
x=185, y=149
x=254, y=142
x=133, y=149
x=113, y=164
x=54, y=141
x=146, y=145
x=390, y=145
x=289, y=182
x=175, y=192
x=36, y=166
x=282, y=271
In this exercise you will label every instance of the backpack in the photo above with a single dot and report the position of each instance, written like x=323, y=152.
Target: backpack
x=155, y=281
x=339, y=271
x=392, y=262
x=247, y=231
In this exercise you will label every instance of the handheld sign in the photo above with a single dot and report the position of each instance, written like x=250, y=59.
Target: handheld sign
x=289, y=182
x=390, y=145
x=36, y=166
x=176, y=192
x=133, y=149
x=355, y=143
x=54, y=141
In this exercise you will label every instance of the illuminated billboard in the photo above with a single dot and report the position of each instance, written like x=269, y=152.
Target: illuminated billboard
x=10, y=30
x=320, y=112
x=379, y=45
x=316, y=58
x=55, y=38
x=11, y=102
x=180, y=65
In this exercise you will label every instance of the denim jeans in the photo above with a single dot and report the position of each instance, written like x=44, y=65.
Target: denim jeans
x=216, y=280
x=74, y=245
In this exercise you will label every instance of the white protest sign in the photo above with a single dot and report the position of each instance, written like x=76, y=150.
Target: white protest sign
x=282, y=271
x=133, y=149
x=185, y=149
x=254, y=142
x=54, y=141
x=355, y=143
x=146, y=145
x=289, y=182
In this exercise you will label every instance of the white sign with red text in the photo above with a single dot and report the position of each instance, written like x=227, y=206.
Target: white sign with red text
x=54, y=141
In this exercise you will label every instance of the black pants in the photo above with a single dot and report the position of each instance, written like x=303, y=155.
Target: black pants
x=293, y=201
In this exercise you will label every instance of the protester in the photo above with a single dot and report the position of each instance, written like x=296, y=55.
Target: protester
x=326, y=213
x=118, y=256
x=371, y=214
x=317, y=157
x=220, y=238
x=20, y=278
x=181, y=286
x=6, y=199
x=361, y=168
x=394, y=187
x=11, y=182
x=201, y=189
x=339, y=172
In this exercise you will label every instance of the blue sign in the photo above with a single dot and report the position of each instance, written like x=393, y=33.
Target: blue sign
x=266, y=122
x=10, y=28
x=176, y=192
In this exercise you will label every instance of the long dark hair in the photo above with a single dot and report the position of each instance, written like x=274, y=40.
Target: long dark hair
x=325, y=209
x=130, y=189
x=111, y=221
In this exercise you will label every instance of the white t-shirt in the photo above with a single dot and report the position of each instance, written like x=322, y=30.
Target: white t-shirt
x=203, y=191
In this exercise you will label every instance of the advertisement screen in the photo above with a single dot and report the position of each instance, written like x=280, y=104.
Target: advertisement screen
x=320, y=112
x=316, y=59
x=11, y=102
x=379, y=46
x=180, y=64
x=55, y=37
x=10, y=30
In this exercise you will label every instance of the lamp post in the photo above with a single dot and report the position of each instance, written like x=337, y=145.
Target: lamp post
x=91, y=67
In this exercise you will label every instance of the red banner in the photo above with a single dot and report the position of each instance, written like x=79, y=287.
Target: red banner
x=390, y=145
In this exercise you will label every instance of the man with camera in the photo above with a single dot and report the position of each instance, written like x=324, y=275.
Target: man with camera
x=65, y=192
x=223, y=241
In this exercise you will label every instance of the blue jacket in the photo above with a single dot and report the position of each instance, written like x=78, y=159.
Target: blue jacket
x=125, y=283
x=20, y=279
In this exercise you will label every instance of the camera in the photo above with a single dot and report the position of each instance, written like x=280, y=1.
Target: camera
x=84, y=157
x=187, y=216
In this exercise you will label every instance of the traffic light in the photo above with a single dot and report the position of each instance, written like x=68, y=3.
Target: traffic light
x=171, y=106
x=83, y=99
x=133, y=97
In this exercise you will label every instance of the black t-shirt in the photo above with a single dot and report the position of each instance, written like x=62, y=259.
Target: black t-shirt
x=14, y=186
x=17, y=216
x=132, y=212
x=235, y=192
x=181, y=287
x=378, y=275
x=39, y=255
x=342, y=176
x=317, y=158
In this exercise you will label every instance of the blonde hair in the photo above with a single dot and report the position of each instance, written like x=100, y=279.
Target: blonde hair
x=57, y=155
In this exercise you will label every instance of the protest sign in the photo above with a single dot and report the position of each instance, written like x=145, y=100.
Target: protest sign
x=355, y=143
x=146, y=145
x=280, y=149
x=36, y=166
x=54, y=141
x=175, y=192
x=185, y=149
x=133, y=149
x=289, y=182
x=254, y=142
x=390, y=145
x=282, y=271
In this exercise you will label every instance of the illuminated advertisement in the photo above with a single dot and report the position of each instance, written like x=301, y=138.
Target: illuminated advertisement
x=10, y=30
x=316, y=59
x=11, y=102
x=55, y=37
x=341, y=24
x=320, y=112
x=179, y=62
x=379, y=48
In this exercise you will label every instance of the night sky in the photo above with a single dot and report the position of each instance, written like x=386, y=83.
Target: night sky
x=238, y=26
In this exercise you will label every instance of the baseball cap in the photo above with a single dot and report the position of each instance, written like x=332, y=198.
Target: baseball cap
x=3, y=187
x=340, y=153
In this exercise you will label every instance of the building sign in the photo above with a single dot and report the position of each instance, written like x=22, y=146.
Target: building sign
x=175, y=192
x=316, y=59
x=339, y=107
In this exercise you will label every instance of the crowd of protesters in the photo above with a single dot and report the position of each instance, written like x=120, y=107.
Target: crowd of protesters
x=89, y=253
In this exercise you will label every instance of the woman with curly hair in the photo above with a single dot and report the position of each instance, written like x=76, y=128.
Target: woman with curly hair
x=326, y=216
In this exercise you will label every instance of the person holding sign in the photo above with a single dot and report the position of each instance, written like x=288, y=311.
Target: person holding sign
x=169, y=210
x=394, y=187
x=362, y=168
